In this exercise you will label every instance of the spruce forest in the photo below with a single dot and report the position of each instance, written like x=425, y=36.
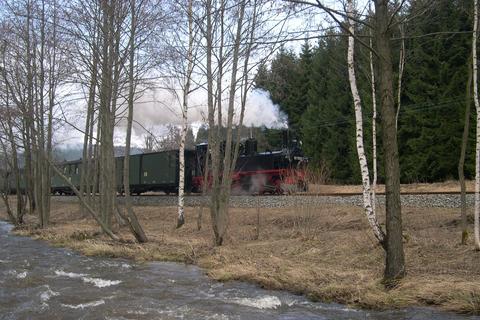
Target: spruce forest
x=312, y=89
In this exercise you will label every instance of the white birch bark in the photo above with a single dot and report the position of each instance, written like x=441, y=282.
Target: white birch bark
x=367, y=197
x=181, y=169
x=374, y=131
x=477, y=107
x=186, y=89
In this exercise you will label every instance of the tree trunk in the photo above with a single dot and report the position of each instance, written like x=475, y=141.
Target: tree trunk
x=374, y=130
x=106, y=161
x=395, y=260
x=15, y=167
x=186, y=91
x=85, y=175
x=463, y=151
x=477, y=108
x=401, y=66
x=362, y=159
x=131, y=218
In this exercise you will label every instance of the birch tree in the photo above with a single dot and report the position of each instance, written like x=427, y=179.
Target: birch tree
x=384, y=21
x=368, y=203
x=374, y=129
x=186, y=92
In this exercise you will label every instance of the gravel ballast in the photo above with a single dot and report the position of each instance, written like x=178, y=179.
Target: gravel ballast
x=246, y=201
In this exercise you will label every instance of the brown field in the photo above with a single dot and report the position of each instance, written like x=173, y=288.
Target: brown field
x=438, y=187
x=327, y=253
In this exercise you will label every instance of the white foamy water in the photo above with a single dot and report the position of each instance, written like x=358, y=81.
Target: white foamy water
x=101, y=283
x=116, y=264
x=97, y=282
x=84, y=305
x=18, y=275
x=47, y=294
x=69, y=274
x=265, y=302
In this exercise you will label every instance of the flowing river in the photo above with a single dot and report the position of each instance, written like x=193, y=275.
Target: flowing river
x=41, y=282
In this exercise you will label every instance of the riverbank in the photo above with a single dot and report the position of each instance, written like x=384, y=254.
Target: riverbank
x=327, y=252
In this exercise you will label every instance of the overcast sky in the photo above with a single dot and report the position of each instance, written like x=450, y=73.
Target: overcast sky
x=157, y=108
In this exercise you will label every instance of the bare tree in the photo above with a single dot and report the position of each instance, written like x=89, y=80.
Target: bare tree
x=34, y=65
x=132, y=219
x=477, y=107
x=8, y=142
x=395, y=260
x=226, y=18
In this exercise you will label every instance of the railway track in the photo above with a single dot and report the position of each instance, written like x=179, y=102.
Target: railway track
x=311, y=194
x=410, y=199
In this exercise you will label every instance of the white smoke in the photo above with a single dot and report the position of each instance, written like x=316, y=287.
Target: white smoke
x=159, y=108
x=156, y=109
x=261, y=111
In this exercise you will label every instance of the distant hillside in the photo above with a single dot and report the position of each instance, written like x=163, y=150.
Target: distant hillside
x=75, y=152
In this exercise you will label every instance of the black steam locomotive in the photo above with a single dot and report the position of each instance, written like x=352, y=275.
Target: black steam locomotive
x=276, y=172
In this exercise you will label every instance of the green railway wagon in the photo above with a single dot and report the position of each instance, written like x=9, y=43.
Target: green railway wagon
x=159, y=171
x=156, y=171
x=72, y=170
x=134, y=172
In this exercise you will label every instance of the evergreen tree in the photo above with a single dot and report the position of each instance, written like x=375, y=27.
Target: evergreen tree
x=283, y=81
x=431, y=118
x=312, y=89
x=328, y=127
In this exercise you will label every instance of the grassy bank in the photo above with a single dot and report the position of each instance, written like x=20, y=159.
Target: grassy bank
x=327, y=253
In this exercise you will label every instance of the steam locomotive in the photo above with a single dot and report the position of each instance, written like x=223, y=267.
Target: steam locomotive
x=277, y=172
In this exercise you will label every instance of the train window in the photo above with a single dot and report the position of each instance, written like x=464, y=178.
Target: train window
x=76, y=169
x=65, y=169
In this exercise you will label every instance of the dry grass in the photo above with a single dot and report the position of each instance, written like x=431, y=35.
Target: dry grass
x=327, y=253
x=447, y=186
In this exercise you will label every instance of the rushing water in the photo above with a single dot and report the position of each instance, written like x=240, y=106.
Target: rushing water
x=41, y=282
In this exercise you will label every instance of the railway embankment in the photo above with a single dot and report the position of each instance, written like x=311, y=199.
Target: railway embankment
x=326, y=251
